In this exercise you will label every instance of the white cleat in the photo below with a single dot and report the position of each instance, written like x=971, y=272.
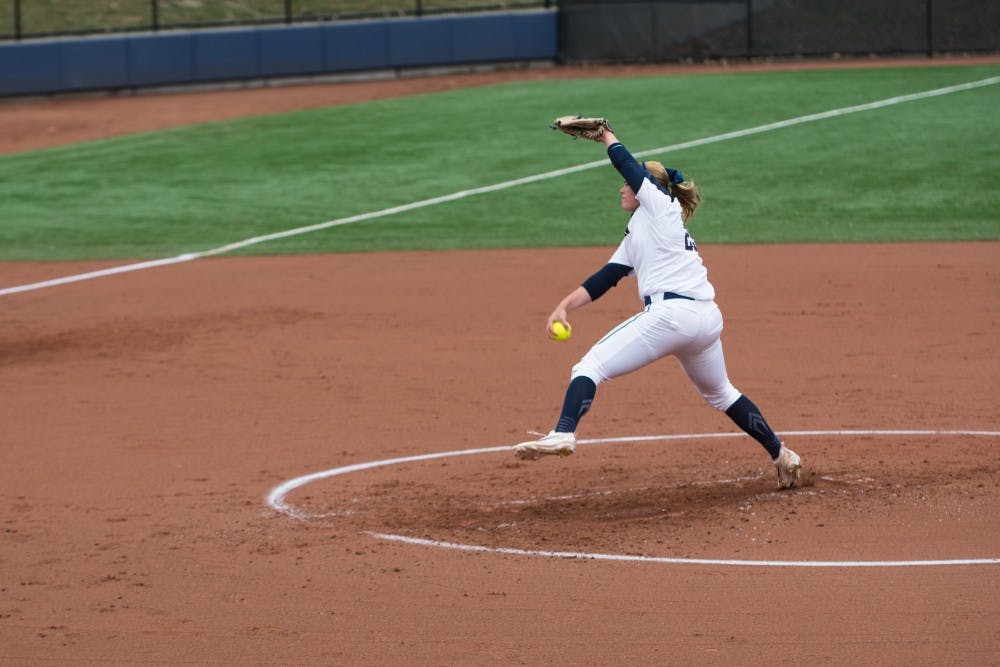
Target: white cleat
x=554, y=444
x=789, y=466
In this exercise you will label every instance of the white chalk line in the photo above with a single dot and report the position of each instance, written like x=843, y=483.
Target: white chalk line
x=276, y=500
x=681, y=561
x=463, y=194
x=276, y=497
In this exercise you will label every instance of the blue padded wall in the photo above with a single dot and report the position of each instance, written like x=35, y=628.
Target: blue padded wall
x=161, y=59
x=481, y=38
x=291, y=50
x=94, y=63
x=225, y=54
x=29, y=67
x=233, y=54
x=417, y=42
x=356, y=46
x=534, y=39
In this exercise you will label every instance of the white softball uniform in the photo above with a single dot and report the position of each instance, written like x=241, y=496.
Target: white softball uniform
x=680, y=317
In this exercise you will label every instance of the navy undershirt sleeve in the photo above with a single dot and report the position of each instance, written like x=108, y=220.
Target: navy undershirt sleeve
x=631, y=171
x=605, y=278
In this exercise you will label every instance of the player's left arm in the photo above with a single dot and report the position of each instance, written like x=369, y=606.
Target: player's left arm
x=623, y=161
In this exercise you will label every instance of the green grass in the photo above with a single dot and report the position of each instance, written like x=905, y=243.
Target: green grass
x=923, y=170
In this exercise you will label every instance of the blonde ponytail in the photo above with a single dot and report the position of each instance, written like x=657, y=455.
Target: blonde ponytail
x=687, y=193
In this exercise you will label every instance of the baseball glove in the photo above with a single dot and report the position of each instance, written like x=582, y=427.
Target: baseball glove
x=578, y=126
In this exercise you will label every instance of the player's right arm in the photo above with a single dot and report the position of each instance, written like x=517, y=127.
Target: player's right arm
x=572, y=301
x=605, y=278
x=591, y=290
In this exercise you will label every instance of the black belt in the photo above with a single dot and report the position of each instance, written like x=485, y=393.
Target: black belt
x=666, y=295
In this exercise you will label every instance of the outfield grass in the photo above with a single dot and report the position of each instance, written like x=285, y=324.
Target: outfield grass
x=923, y=170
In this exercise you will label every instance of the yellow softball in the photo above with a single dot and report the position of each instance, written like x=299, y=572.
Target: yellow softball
x=560, y=332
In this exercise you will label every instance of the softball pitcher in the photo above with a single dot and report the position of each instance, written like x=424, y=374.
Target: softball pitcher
x=680, y=317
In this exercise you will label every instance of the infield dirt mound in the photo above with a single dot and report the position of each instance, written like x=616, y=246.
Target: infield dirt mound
x=697, y=498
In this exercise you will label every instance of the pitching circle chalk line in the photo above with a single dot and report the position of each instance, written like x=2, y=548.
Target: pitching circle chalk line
x=276, y=499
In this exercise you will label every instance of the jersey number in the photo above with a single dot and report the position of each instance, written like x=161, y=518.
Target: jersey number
x=689, y=243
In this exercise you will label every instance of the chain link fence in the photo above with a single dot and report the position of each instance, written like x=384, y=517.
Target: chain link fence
x=23, y=19
x=590, y=30
x=671, y=30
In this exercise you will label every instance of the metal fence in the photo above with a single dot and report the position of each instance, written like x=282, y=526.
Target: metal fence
x=589, y=30
x=670, y=30
x=22, y=19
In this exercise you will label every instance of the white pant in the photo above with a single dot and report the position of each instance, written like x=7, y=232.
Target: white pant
x=689, y=330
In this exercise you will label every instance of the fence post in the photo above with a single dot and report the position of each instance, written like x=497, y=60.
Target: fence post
x=288, y=11
x=749, y=28
x=930, y=29
x=17, y=19
x=420, y=8
x=154, y=8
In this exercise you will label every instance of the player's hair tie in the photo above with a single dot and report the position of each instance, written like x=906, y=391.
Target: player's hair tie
x=674, y=176
x=670, y=177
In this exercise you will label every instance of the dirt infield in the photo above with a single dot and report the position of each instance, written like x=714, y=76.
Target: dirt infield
x=146, y=417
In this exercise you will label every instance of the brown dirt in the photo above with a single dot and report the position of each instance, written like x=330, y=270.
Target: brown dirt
x=146, y=417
